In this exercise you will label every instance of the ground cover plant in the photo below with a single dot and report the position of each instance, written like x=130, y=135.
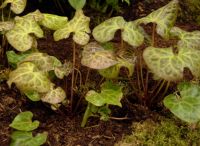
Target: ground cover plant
x=137, y=68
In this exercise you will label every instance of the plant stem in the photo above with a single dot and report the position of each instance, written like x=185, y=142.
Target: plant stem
x=141, y=73
x=87, y=114
x=87, y=75
x=153, y=35
x=166, y=89
x=72, y=81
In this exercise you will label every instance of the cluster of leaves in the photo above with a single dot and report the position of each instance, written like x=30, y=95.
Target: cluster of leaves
x=24, y=126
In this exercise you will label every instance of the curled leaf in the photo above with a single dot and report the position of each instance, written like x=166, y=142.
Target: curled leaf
x=187, y=105
x=79, y=25
x=164, y=17
x=169, y=66
x=20, y=36
x=110, y=94
x=28, y=77
x=23, y=122
x=96, y=57
x=53, y=22
x=17, y=6
x=190, y=40
x=105, y=31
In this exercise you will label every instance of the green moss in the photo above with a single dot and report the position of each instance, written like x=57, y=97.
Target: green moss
x=166, y=133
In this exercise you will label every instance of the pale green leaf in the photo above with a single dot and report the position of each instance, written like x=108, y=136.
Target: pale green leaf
x=23, y=122
x=33, y=95
x=132, y=34
x=190, y=40
x=77, y=4
x=113, y=71
x=22, y=138
x=63, y=70
x=187, y=105
x=169, y=66
x=54, y=96
x=27, y=77
x=105, y=31
x=7, y=25
x=96, y=57
x=17, y=6
x=53, y=22
x=110, y=94
x=36, y=15
x=43, y=61
x=20, y=36
x=164, y=17
x=79, y=25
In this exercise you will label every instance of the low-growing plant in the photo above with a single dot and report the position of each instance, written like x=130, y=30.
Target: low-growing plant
x=24, y=126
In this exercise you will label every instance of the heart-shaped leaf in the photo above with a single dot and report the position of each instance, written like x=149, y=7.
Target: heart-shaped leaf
x=53, y=22
x=23, y=122
x=79, y=25
x=7, y=25
x=23, y=138
x=77, y=4
x=187, y=105
x=105, y=31
x=110, y=94
x=54, y=96
x=22, y=30
x=113, y=71
x=43, y=61
x=17, y=6
x=132, y=34
x=96, y=57
x=164, y=17
x=28, y=77
x=36, y=15
x=190, y=40
x=169, y=66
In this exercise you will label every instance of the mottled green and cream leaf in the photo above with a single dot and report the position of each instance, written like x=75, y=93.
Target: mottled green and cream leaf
x=6, y=25
x=79, y=25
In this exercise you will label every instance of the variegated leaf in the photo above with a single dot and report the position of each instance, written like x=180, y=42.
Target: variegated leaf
x=132, y=34
x=190, y=40
x=17, y=6
x=36, y=15
x=164, y=17
x=96, y=57
x=27, y=77
x=64, y=70
x=79, y=25
x=43, y=61
x=169, y=66
x=7, y=25
x=105, y=31
x=110, y=94
x=54, y=96
x=113, y=71
x=20, y=36
x=53, y=22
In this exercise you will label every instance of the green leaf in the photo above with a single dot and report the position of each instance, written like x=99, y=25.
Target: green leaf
x=21, y=138
x=7, y=25
x=164, y=17
x=28, y=77
x=17, y=6
x=36, y=15
x=63, y=70
x=169, y=66
x=23, y=30
x=53, y=22
x=104, y=112
x=14, y=59
x=127, y=1
x=54, y=96
x=77, y=4
x=96, y=57
x=105, y=31
x=43, y=61
x=187, y=105
x=190, y=40
x=113, y=71
x=132, y=34
x=110, y=94
x=79, y=25
x=23, y=122
x=33, y=95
